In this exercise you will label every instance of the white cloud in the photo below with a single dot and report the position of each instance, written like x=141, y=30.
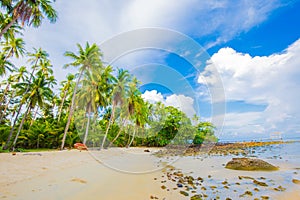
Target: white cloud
x=95, y=21
x=182, y=102
x=152, y=96
x=271, y=80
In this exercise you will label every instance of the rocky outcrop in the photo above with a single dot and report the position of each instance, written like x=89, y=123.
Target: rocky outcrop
x=250, y=164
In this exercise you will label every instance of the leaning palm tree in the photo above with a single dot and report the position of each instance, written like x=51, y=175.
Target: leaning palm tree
x=119, y=92
x=20, y=76
x=38, y=93
x=35, y=58
x=87, y=58
x=88, y=96
x=30, y=12
x=66, y=88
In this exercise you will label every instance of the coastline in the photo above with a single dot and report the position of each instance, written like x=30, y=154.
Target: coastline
x=71, y=174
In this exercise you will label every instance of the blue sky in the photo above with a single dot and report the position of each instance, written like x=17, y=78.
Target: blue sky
x=252, y=51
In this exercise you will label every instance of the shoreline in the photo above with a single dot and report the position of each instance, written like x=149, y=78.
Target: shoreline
x=71, y=174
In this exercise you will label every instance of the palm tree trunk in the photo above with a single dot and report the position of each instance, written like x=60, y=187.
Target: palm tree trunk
x=87, y=125
x=119, y=132
x=8, y=26
x=134, y=129
x=61, y=105
x=4, y=111
x=108, y=126
x=12, y=128
x=35, y=113
x=20, y=107
x=71, y=112
x=4, y=93
x=20, y=127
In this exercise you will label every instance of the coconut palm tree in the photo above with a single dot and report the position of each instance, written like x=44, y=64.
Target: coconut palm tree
x=37, y=94
x=87, y=58
x=30, y=12
x=137, y=108
x=66, y=88
x=38, y=57
x=5, y=19
x=13, y=46
x=119, y=92
x=35, y=58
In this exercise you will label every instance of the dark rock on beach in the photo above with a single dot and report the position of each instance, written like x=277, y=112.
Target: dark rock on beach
x=250, y=164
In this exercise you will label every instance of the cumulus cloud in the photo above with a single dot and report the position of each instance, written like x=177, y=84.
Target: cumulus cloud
x=270, y=80
x=182, y=102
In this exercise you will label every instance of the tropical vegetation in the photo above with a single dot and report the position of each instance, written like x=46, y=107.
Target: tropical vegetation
x=99, y=106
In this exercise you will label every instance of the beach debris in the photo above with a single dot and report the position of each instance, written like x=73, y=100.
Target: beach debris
x=147, y=150
x=256, y=182
x=80, y=146
x=256, y=189
x=13, y=153
x=184, y=193
x=78, y=180
x=296, y=181
x=250, y=164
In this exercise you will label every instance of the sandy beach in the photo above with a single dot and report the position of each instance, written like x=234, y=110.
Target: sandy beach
x=134, y=174
x=71, y=175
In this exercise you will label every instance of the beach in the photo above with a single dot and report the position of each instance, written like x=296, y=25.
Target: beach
x=135, y=173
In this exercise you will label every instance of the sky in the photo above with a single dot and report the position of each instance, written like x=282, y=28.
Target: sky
x=235, y=63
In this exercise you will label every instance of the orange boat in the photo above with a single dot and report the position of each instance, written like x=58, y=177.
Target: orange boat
x=80, y=146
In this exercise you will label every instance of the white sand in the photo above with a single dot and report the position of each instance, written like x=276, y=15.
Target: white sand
x=74, y=175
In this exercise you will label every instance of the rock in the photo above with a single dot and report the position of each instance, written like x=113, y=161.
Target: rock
x=247, y=193
x=147, y=150
x=184, y=193
x=224, y=182
x=196, y=197
x=163, y=187
x=179, y=185
x=250, y=164
x=296, y=181
x=280, y=189
x=245, y=177
x=260, y=183
x=265, y=197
